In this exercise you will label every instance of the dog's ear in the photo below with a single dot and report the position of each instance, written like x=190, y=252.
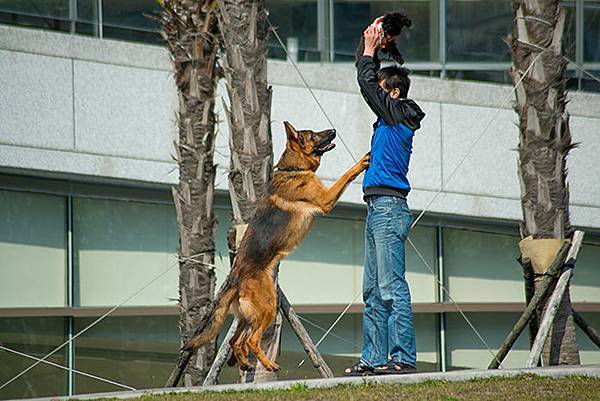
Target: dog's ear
x=290, y=131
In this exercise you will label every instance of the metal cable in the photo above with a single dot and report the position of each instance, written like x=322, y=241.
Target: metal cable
x=324, y=330
x=67, y=369
x=595, y=78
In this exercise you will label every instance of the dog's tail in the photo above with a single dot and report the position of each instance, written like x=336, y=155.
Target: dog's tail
x=215, y=315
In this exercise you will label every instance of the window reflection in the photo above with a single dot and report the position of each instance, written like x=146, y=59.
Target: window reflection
x=46, y=14
x=569, y=44
x=127, y=20
x=478, y=30
x=419, y=43
x=87, y=17
x=36, y=337
x=138, y=351
x=591, y=31
x=296, y=22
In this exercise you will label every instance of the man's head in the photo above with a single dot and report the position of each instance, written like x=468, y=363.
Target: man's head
x=395, y=81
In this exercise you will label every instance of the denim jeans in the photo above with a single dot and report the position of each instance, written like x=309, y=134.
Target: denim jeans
x=388, y=327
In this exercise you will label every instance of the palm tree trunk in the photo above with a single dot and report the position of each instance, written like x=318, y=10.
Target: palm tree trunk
x=243, y=26
x=190, y=31
x=545, y=141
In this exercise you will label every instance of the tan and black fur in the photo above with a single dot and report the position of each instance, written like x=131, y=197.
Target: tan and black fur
x=281, y=221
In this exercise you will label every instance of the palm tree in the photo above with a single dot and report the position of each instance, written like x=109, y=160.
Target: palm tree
x=191, y=35
x=243, y=25
x=545, y=141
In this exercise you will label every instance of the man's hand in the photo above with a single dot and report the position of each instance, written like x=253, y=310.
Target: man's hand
x=372, y=40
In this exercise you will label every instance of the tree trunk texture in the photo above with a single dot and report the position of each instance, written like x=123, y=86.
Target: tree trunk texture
x=244, y=28
x=191, y=34
x=545, y=141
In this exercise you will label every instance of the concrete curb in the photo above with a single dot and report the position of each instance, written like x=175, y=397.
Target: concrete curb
x=459, y=375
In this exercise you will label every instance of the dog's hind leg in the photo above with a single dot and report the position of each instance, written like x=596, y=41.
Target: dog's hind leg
x=259, y=308
x=254, y=342
x=237, y=345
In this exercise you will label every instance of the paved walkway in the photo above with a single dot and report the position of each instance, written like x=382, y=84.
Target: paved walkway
x=457, y=375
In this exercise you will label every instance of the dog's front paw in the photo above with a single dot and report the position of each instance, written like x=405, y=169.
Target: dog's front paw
x=362, y=164
x=365, y=161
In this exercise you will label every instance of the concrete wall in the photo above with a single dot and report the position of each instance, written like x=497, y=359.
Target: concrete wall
x=92, y=109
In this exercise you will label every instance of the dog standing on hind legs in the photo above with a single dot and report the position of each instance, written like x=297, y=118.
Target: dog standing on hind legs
x=281, y=221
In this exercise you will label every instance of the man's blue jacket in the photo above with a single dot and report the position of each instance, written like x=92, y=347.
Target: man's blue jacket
x=391, y=144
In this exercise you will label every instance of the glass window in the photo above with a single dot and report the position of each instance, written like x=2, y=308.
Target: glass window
x=423, y=287
x=136, y=351
x=591, y=30
x=569, y=44
x=47, y=14
x=126, y=20
x=419, y=43
x=33, y=249
x=482, y=267
x=465, y=350
x=296, y=22
x=120, y=245
x=588, y=351
x=501, y=77
x=87, y=17
x=332, y=252
x=591, y=83
x=586, y=277
x=36, y=337
x=477, y=30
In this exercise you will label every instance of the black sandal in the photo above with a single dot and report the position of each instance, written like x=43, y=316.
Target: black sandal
x=395, y=368
x=359, y=369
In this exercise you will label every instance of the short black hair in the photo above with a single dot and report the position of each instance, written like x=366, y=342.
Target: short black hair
x=395, y=77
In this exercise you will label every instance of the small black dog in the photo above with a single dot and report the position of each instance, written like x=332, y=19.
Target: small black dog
x=392, y=24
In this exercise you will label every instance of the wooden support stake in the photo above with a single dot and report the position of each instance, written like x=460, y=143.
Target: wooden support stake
x=587, y=328
x=529, y=292
x=221, y=358
x=553, y=270
x=312, y=351
x=554, y=302
x=182, y=362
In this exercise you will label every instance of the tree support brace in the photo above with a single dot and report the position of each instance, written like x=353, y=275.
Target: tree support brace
x=552, y=272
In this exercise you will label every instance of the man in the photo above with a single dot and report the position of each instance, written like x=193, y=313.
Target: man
x=388, y=330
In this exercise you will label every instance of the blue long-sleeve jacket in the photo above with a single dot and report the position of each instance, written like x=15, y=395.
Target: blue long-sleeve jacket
x=391, y=143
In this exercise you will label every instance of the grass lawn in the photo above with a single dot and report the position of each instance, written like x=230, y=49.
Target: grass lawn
x=525, y=387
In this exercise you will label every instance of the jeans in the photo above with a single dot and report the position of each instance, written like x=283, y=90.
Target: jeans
x=388, y=327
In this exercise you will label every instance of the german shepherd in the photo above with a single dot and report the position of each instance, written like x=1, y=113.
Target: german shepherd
x=281, y=221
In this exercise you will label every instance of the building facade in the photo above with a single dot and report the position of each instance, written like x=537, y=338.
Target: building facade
x=87, y=124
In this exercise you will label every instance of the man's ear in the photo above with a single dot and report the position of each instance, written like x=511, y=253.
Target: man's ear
x=290, y=131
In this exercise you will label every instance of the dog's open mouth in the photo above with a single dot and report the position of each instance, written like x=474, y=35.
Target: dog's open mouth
x=326, y=144
x=324, y=148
